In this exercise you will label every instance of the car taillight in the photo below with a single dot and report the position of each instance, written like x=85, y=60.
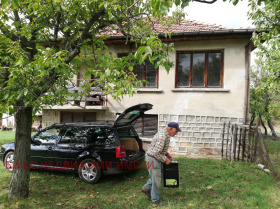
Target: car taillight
x=120, y=152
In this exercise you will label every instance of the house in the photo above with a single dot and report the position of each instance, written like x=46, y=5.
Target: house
x=208, y=85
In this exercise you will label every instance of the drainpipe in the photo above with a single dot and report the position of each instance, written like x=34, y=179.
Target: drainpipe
x=247, y=81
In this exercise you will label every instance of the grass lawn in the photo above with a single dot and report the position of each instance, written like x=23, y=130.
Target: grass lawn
x=204, y=183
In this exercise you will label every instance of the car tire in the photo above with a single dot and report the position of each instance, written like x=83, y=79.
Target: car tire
x=10, y=159
x=89, y=171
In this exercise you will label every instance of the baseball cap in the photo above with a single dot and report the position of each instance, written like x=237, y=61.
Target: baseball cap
x=174, y=125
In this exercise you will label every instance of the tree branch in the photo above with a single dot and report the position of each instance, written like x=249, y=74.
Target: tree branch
x=205, y=1
x=83, y=36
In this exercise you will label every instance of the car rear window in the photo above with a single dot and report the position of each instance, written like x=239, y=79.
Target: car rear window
x=126, y=132
x=101, y=136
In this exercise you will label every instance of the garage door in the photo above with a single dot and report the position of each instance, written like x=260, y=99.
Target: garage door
x=68, y=117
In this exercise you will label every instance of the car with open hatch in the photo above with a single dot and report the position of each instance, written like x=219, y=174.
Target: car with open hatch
x=91, y=149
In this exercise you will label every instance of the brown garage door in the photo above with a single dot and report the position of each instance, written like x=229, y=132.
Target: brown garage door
x=67, y=117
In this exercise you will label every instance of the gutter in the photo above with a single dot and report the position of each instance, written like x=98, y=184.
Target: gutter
x=197, y=33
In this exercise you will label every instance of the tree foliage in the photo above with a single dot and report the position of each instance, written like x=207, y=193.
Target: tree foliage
x=266, y=77
x=43, y=44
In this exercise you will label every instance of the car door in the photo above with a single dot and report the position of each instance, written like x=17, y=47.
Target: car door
x=42, y=146
x=102, y=142
x=70, y=145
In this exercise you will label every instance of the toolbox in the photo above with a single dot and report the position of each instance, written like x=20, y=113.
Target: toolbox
x=171, y=174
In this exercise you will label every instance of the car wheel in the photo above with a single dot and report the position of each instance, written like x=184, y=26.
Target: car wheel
x=89, y=171
x=9, y=161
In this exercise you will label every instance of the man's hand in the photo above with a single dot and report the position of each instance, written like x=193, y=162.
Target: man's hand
x=167, y=162
x=169, y=157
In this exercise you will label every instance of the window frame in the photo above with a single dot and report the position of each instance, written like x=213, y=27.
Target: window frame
x=143, y=74
x=206, y=53
x=143, y=120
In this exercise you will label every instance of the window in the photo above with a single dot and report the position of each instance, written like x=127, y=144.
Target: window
x=74, y=135
x=68, y=117
x=126, y=132
x=147, y=125
x=101, y=136
x=49, y=136
x=199, y=69
x=145, y=72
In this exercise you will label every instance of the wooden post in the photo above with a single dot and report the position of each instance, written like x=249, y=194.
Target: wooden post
x=223, y=139
x=243, y=142
x=227, y=137
x=239, y=143
x=250, y=144
x=233, y=144
x=256, y=141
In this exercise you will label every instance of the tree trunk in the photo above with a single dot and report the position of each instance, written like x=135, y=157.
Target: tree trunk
x=273, y=132
x=265, y=129
x=19, y=185
x=267, y=102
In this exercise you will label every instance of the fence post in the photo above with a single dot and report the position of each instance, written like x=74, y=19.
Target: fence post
x=227, y=137
x=223, y=140
x=256, y=141
x=243, y=142
x=239, y=143
x=233, y=144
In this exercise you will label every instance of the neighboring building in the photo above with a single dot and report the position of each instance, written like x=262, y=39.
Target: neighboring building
x=8, y=121
x=207, y=86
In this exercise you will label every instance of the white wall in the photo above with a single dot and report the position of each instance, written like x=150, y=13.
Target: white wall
x=8, y=121
x=229, y=102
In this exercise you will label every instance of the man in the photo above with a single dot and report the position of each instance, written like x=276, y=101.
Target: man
x=155, y=156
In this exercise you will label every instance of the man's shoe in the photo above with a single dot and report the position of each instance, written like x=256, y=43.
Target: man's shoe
x=146, y=192
x=159, y=203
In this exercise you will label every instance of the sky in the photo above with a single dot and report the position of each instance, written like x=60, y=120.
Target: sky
x=220, y=13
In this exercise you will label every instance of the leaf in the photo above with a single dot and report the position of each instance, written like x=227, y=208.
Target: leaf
x=15, y=3
x=25, y=92
x=3, y=2
x=184, y=3
x=209, y=187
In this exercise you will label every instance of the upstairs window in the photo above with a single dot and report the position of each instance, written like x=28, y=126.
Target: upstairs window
x=147, y=72
x=199, y=69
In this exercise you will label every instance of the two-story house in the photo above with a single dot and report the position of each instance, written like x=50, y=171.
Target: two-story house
x=208, y=85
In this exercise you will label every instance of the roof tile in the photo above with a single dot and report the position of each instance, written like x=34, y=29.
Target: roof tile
x=184, y=26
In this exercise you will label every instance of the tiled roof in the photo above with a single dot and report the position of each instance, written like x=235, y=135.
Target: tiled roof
x=184, y=26
x=188, y=26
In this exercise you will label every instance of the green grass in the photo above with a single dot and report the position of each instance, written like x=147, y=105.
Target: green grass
x=204, y=183
x=273, y=148
x=6, y=136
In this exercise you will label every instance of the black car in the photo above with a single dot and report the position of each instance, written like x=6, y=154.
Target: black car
x=91, y=149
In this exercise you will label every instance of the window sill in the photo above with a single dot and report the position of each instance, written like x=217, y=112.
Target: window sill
x=200, y=90
x=149, y=90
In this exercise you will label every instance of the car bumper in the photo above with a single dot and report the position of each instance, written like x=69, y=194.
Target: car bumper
x=127, y=165
x=2, y=156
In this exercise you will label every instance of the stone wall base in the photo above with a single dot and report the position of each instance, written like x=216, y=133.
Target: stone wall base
x=201, y=136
